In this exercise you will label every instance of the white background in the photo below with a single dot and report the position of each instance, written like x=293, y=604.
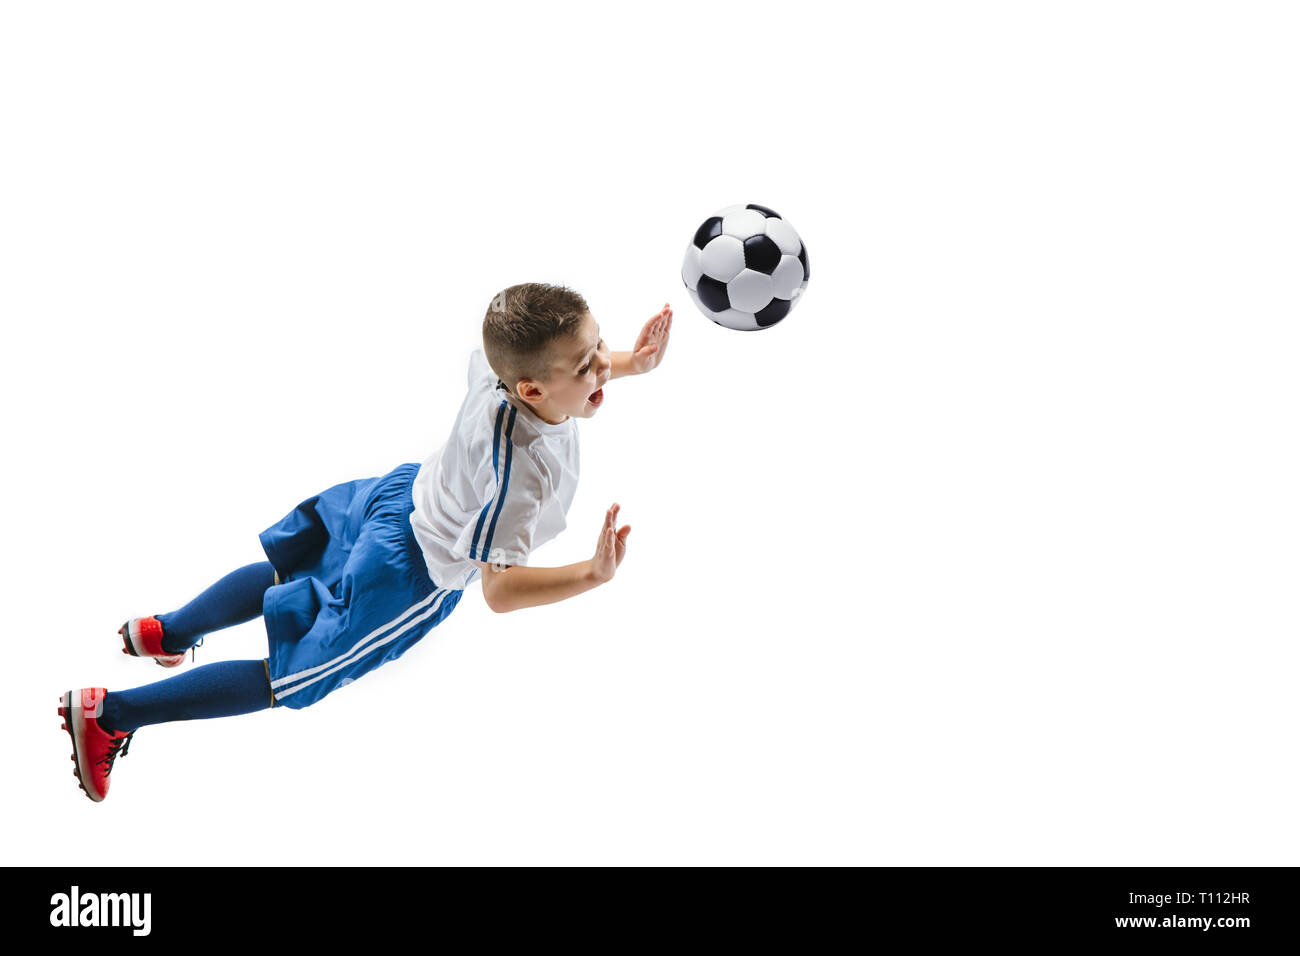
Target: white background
x=987, y=554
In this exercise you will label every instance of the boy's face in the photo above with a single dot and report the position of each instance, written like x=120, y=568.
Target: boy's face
x=580, y=367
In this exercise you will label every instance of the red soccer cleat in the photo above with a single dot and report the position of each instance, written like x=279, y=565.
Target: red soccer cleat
x=142, y=637
x=93, y=748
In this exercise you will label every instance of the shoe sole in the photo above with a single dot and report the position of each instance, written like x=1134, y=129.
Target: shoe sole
x=73, y=724
x=171, y=660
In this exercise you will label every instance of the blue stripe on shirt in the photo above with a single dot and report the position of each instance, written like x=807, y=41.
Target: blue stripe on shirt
x=505, y=481
x=496, y=442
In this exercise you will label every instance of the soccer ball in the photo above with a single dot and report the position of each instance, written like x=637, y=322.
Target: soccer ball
x=746, y=267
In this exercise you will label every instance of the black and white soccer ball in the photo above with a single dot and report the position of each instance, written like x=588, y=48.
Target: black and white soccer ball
x=746, y=267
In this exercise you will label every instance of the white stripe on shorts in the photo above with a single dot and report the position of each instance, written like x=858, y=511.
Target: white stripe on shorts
x=355, y=648
x=362, y=652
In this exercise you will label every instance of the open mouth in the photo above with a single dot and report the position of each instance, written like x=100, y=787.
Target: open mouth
x=596, y=397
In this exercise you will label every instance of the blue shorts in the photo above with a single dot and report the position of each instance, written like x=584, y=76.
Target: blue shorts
x=353, y=592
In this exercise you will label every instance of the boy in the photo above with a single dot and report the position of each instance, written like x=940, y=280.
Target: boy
x=362, y=571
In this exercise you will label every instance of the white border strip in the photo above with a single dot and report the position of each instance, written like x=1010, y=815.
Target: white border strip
x=362, y=653
x=358, y=646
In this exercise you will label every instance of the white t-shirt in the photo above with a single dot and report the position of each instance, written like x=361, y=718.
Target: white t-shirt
x=499, y=487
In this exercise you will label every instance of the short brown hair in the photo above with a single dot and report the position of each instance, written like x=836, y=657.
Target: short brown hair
x=521, y=326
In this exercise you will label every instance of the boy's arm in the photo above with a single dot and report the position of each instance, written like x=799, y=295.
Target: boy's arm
x=516, y=587
x=649, y=349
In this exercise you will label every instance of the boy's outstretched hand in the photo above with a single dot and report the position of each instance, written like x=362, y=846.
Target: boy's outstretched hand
x=653, y=341
x=611, y=547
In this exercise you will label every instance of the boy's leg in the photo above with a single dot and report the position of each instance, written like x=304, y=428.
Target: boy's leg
x=234, y=599
x=222, y=689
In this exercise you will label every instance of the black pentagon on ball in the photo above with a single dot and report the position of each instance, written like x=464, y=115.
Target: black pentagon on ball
x=713, y=294
x=772, y=313
x=803, y=257
x=770, y=213
x=710, y=228
x=762, y=254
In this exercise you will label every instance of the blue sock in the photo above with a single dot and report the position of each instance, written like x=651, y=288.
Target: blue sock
x=222, y=689
x=234, y=599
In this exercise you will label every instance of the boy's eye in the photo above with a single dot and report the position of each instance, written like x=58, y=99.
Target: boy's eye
x=585, y=369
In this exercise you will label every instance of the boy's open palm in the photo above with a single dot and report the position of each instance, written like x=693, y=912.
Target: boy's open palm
x=611, y=546
x=651, y=344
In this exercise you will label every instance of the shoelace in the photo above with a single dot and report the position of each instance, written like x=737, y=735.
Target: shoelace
x=116, y=748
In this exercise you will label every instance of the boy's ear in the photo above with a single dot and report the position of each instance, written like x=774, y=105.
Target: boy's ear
x=529, y=391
